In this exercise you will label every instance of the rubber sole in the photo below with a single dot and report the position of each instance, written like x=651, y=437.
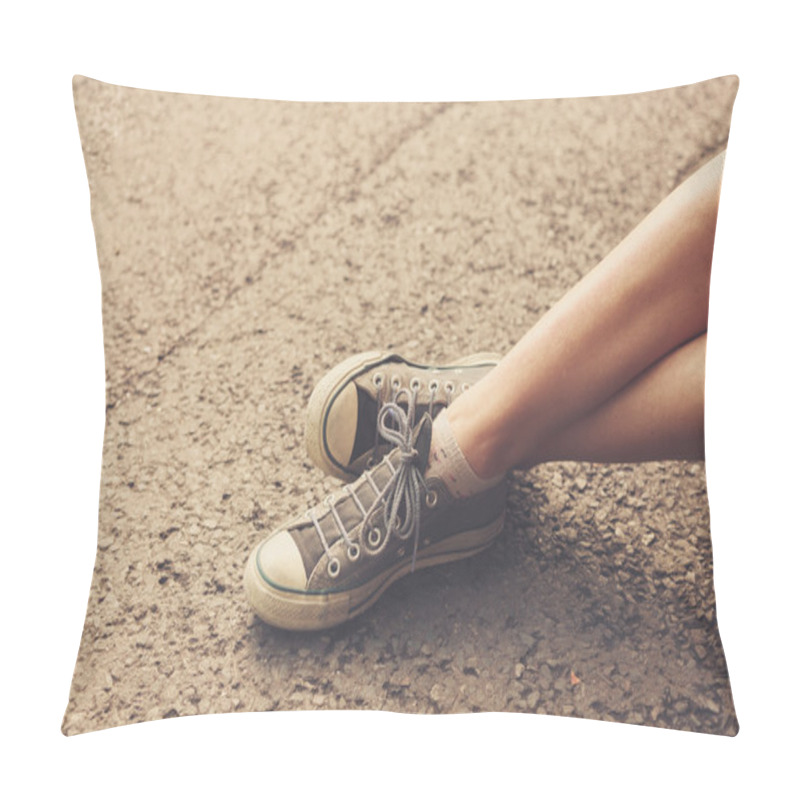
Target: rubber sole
x=297, y=611
x=333, y=382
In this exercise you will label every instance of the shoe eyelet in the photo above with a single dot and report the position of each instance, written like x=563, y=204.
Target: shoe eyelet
x=396, y=383
x=433, y=385
x=464, y=387
x=431, y=498
x=334, y=567
x=415, y=384
x=353, y=552
x=374, y=537
x=377, y=379
x=449, y=387
x=401, y=552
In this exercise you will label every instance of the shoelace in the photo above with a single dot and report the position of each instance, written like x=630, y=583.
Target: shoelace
x=407, y=485
x=397, y=392
x=402, y=492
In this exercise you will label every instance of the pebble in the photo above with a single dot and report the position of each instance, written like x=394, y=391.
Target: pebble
x=519, y=669
x=700, y=651
x=710, y=704
x=533, y=700
x=412, y=648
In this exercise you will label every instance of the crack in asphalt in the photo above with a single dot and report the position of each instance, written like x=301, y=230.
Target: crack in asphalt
x=282, y=246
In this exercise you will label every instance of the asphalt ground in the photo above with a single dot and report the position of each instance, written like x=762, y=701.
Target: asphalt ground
x=246, y=247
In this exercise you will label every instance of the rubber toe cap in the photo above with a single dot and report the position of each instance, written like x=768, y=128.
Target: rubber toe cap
x=280, y=563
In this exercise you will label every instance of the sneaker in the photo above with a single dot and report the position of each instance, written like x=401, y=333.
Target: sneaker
x=333, y=562
x=342, y=436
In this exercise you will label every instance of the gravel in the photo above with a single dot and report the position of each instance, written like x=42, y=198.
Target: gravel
x=245, y=249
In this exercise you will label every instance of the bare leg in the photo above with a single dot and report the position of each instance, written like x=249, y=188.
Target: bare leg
x=645, y=299
x=659, y=415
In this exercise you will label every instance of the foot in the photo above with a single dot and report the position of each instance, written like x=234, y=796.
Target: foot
x=333, y=562
x=342, y=436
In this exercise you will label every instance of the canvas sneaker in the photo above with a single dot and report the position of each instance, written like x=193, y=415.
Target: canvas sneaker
x=333, y=562
x=342, y=436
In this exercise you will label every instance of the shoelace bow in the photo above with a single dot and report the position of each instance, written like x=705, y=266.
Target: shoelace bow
x=403, y=491
x=407, y=486
x=394, y=399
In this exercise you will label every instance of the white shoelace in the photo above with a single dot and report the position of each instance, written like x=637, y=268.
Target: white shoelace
x=403, y=491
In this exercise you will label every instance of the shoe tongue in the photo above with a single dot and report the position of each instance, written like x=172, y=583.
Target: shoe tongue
x=367, y=422
x=422, y=439
x=365, y=429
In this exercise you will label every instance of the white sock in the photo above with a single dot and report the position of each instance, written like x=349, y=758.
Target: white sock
x=448, y=463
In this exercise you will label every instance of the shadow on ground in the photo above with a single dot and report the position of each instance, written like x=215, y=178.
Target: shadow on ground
x=569, y=619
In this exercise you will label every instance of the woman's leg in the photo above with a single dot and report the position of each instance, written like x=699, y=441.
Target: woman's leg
x=659, y=415
x=648, y=297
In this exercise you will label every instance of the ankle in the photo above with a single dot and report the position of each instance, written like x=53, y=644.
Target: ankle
x=479, y=448
x=448, y=463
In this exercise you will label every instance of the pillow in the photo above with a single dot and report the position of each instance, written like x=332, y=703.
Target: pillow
x=246, y=247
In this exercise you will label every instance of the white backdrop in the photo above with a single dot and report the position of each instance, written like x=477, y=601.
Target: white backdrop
x=53, y=383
